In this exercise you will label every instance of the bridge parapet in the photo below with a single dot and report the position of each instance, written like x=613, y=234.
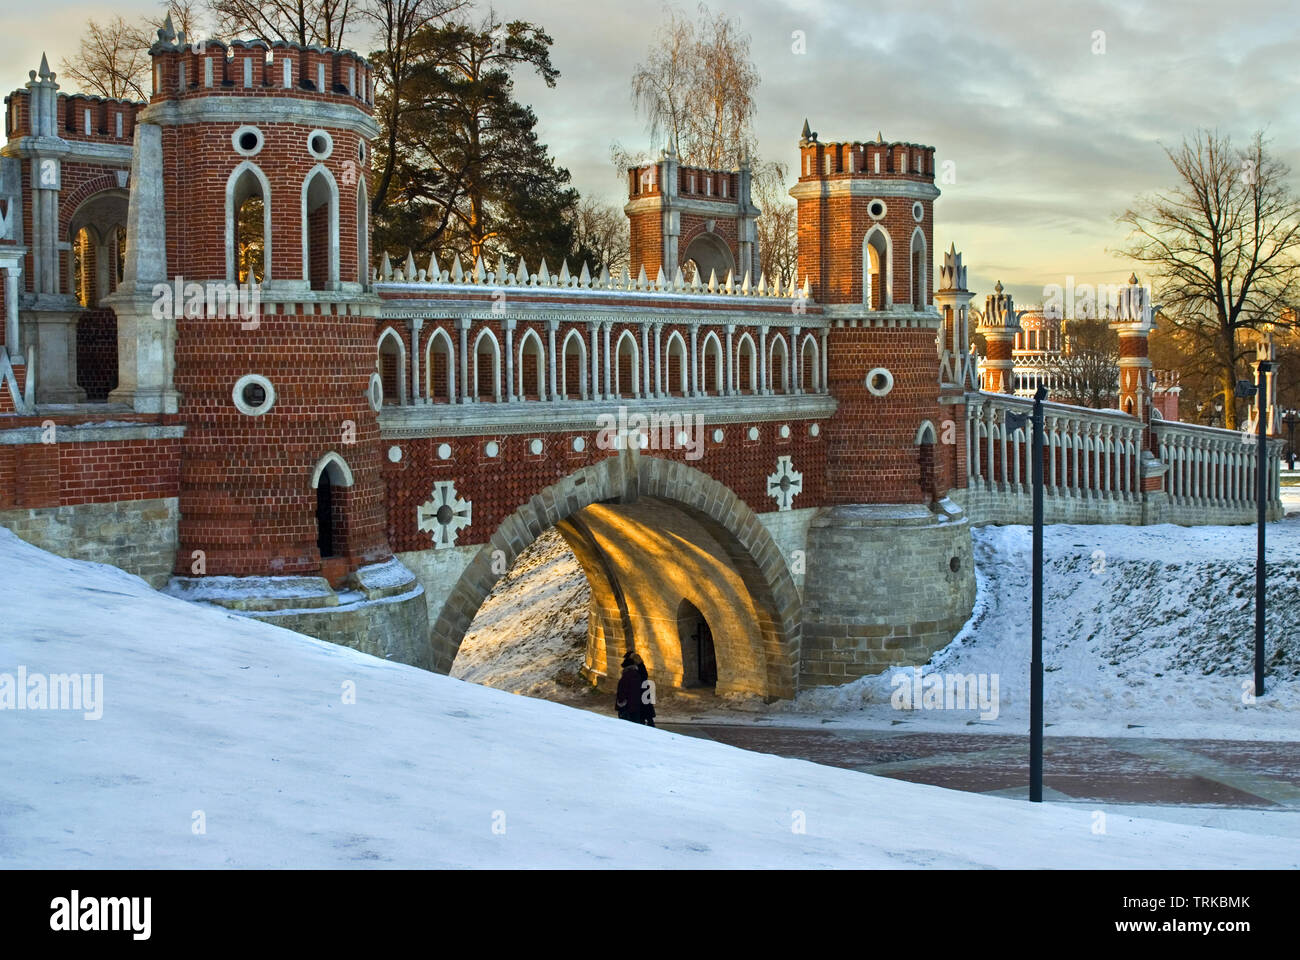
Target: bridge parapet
x=1097, y=468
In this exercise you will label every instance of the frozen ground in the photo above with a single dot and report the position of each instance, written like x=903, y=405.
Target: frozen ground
x=1149, y=631
x=228, y=742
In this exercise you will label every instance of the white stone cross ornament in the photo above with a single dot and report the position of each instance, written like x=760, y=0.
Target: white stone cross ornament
x=784, y=485
x=445, y=515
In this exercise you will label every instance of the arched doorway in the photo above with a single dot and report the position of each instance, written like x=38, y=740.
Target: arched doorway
x=699, y=656
x=708, y=255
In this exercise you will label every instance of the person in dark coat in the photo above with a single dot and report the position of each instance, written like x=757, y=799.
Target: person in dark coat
x=647, y=695
x=628, y=699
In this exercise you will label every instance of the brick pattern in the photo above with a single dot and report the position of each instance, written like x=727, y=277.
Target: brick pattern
x=246, y=498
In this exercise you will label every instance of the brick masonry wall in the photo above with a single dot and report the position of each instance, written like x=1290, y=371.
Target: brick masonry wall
x=872, y=456
x=246, y=497
x=497, y=486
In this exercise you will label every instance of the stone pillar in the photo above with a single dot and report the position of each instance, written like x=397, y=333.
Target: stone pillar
x=695, y=362
x=762, y=362
x=13, y=335
x=416, y=324
x=146, y=337
x=551, y=327
x=731, y=369
x=609, y=381
x=659, y=361
x=462, y=324
x=53, y=335
x=796, y=360
x=594, y=391
x=509, y=324
x=647, y=384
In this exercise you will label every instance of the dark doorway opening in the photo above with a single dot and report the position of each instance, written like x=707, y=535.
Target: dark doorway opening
x=325, y=515
x=699, y=659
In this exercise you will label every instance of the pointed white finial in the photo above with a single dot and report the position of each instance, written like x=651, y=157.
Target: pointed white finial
x=435, y=271
x=641, y=278
x=713, y=281
x=744, y=287
x=479, y=271
x=543, y=275
x=624, y=280
x=730, y=285
x=563, y=279
x=503, y=275
x=409, y=266
x=679, y=279
x=386, y=267
x=584, y=278
x=604, y=280
x=660, y=280
x=521, y=273
x=762, y=284
x=457, y=273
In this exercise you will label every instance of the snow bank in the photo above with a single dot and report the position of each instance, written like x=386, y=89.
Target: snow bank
x=249, y=731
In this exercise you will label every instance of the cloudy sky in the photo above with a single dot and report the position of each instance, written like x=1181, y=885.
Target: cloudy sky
x=1051, y=138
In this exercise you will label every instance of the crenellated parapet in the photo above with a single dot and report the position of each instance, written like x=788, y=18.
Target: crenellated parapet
x=184, y=69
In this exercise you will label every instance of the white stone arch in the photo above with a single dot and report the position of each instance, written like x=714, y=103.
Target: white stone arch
x=238, y=189
x=925, y=433
x=917, y=267
x=676, y=344
x=566, y=388
x=339, y=471
x=496, y=365
x=391, y=337
x=877, y=251
x=745, y=349
x=440, y=336
x=778, y=345
x=634, y=368
x=712, y=345
x=530, y=339
x=318, y=187
x=810, y=357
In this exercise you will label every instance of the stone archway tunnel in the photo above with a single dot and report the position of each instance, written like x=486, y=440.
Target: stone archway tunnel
x=651, y=535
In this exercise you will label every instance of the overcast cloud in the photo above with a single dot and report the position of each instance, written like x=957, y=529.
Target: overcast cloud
x=1050, y=140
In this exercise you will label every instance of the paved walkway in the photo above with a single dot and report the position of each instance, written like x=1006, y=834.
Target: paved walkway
x=1220, y=773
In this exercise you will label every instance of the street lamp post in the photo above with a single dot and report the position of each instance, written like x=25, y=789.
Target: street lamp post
x=1018, y=421
x=1244, y=390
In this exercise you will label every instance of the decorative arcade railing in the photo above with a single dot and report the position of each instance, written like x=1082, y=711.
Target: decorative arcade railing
x=1096, y=469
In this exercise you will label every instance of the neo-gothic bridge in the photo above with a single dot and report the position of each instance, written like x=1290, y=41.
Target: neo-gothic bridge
x=366, y=459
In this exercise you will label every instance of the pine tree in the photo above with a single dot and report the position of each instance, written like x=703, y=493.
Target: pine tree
x=470, y=177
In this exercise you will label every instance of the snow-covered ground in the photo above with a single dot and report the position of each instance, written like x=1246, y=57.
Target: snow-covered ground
x=228, y=742
x=1148, y=631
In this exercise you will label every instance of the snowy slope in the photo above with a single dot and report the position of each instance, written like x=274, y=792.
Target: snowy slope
x=246, y=723
x=1147, y=631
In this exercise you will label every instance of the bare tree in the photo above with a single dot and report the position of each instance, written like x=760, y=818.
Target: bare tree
x=778, y=227
x=1223, y=245
x=1087, y=370
x=322, y=22
x=111, y=61
x=113, y=58
x=602, y=228
x=696, y=88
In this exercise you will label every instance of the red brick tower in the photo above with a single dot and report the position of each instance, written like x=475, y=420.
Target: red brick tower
x=688, y=214
x=866, y=215
x=264, y=149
